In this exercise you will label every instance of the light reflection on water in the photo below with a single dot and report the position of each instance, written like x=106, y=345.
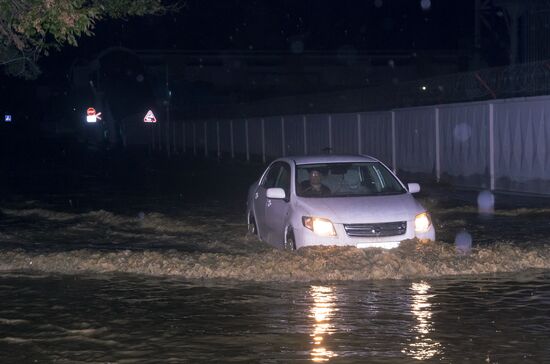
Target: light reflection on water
x=423, y=347
x=126, y=318
x=322, y=312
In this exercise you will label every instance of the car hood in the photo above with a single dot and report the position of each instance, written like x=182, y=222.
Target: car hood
x=355, y=210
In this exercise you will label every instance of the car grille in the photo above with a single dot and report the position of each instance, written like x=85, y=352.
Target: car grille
x=375, y=230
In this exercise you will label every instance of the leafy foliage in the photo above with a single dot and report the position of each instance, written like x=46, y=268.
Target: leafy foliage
x=31, y=28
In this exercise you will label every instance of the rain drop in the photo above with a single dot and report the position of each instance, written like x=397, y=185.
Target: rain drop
x=463, y=242
x=297, y=47
x=425, y=5
x=462, y=132
x=486, y=202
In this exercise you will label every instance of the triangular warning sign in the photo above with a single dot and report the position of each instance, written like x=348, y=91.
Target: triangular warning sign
x=150, y=117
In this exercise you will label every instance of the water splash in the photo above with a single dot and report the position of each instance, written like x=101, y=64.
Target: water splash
x=207, y=242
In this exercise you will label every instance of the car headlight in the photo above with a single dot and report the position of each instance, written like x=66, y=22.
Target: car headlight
x=319, y=225
x=422, y=222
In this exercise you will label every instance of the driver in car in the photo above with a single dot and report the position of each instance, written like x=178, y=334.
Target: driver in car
x=313, y=186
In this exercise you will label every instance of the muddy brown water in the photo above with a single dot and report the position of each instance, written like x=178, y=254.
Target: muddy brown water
x=121, y=318
x=160, y=278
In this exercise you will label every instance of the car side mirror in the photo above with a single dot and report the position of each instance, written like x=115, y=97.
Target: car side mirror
x=276, y=193
x=413, y=187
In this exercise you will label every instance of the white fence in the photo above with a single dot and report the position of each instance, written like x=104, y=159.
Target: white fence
x=498, y=145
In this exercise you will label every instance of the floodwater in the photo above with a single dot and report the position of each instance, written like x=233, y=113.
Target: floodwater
x=163, y=277
x=138, y=318
x=208, y=240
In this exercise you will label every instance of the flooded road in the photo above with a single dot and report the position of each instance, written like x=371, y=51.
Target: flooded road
x=171, y=276
x=171, y=237
x=135, y=318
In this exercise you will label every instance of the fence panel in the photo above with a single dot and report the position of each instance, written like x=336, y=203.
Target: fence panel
x=415, y=140
x=344, y=133
x=212, y=141
x=522, y=152
x=464, y=144
x=225, y=138
x=317, y=134
x=200, y=135
x=376, y=135
x=239, y=138
x=464, y=151
x=273, y=137
x=294, y=135
x=255, y=138
x=189, y=136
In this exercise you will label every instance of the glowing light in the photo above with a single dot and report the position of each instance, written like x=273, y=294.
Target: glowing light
x=92, y=115
x=424, y=87
x=319, y=225
x=322, y=312
x=422, y=222
x=7, y=118
x=423, y=347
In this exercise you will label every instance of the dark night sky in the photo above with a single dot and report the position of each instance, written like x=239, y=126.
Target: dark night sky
x=279, y=25
x=311, y=25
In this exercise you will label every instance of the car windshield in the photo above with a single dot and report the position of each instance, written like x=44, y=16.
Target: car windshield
x=345, y=179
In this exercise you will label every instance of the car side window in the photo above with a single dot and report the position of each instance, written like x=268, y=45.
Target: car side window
x=283, y=180
x=271, y=177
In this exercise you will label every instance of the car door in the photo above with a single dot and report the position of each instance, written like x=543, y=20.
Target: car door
x=260, y=199
x=276, y=210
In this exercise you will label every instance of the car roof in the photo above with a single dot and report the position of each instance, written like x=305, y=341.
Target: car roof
x=330, y=158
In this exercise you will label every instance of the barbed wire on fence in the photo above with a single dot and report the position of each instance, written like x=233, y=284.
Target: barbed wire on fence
x=521, y=80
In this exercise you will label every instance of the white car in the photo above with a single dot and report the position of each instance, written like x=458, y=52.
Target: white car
x=335, y=200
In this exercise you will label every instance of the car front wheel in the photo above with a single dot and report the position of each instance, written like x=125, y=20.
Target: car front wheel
x=290, y=241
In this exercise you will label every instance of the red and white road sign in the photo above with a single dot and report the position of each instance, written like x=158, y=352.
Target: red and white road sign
x=150, y=117
x=92, y=116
